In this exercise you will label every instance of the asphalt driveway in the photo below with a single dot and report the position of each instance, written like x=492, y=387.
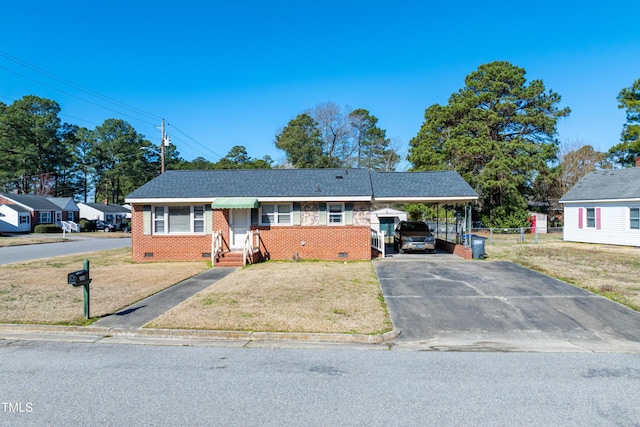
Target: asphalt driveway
x=441, y=302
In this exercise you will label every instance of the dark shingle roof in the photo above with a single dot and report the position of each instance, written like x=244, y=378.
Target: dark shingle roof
x=61, y=202
x=257, y=183
x=110, y=208
x=420, y=184
x=17, y=208
x=37, y=203
x=293, y=183
x=606, y=185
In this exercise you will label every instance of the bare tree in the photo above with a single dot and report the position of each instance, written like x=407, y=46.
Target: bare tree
x=335, y=128
x=577, y=159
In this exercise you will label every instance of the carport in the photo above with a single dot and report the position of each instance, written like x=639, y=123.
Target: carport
x=444, y=189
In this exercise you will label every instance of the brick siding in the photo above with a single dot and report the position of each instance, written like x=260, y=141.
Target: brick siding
x=320, y=242
x=278, y=243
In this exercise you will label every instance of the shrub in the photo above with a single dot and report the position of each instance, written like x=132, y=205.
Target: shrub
x=86, y=225
x=47, y=228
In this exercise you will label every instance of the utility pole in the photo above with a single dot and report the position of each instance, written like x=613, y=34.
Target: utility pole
x=162, y=142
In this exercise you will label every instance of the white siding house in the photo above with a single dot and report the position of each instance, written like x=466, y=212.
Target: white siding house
x=15, y=219
x=604, y=207
x=111, y=213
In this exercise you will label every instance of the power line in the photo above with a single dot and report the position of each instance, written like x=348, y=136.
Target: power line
x=99, y=96
x=79, y=87
x=74, y=96
x=203, y=146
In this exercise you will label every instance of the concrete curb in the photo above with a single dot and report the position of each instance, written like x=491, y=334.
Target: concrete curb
x=202, y=335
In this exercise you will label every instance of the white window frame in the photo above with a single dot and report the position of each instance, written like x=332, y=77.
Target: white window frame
x=635, y=217
x=587, y=218
x=279, y=218
x=160, y=215
x=331, y=217
x=42, y=215
x=71, y=216
x=24, y=219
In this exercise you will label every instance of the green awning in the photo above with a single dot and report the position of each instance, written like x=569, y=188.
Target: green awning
x=235, y=203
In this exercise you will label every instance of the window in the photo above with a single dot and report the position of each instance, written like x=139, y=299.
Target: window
x=634, y=218
x=71, y=216
x=275, y=214
x=336, y=211
x=24, y=219
x=591, y=218
x=58, y=216
x=198, y=219
x=158, y=219
x=178, y=219
x=44, y=217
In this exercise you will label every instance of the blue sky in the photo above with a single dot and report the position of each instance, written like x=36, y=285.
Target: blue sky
x=234, y=73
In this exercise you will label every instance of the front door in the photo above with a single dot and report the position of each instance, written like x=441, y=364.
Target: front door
x=387, y=224
x=240, y=224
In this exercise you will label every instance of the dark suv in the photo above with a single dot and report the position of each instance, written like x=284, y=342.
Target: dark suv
x=102, y=225
x=413, y=236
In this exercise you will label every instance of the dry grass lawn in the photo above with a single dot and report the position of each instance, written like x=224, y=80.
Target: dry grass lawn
x=19, y=241
x=37, y=291
x=323, y=297
x=35, y=239
x=611, y=271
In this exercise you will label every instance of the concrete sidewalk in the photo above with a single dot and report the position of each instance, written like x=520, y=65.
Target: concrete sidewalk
x=139, y=314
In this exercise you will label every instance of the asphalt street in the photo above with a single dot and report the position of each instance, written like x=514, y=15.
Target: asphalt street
x=76, y=244
x=79, y=384
x=440, y=302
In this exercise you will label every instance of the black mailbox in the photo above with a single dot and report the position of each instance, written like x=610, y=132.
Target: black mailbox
x=78, y=278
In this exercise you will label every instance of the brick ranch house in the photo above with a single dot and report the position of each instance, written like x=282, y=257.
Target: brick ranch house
x=237, y=216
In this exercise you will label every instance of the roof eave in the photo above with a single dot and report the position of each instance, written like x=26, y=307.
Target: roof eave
x=634, y=200
x=451, y=199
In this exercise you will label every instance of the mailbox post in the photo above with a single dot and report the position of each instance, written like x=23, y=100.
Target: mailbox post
x=82, y=278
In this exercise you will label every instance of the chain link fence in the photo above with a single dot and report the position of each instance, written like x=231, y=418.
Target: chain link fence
x=454, y=230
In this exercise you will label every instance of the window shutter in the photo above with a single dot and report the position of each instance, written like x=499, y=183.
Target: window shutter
x=580, y=215
x=255, y=216
x=322, y=213
x=146, y=219
x=208, y=220
x=295, y=214
x=598, y=222
x=348, y=213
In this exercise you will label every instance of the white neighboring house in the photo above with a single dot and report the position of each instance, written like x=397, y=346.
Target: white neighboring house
x=61, y=211
x=111, y=213
x=604, y=207
x=15, y=219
